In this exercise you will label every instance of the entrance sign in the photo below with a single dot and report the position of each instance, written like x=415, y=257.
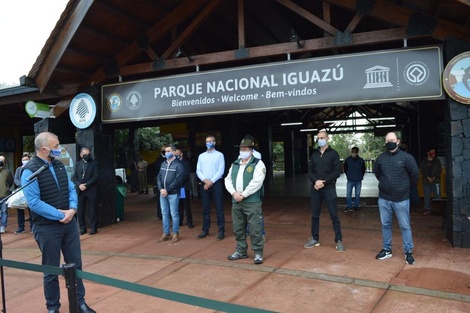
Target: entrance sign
x=457, y=78
x=372, y=77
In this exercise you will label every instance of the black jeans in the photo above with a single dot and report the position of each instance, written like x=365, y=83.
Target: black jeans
x=184, y=207
x=328, y=194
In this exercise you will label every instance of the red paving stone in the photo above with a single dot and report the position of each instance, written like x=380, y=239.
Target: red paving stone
x=292, y=279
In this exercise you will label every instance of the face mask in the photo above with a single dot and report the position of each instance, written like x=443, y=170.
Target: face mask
x=322, y=142
x=2, y=164
x=244, y=155
x=391, y=145
x=168, y=155
x=210, y=145
x=86, y=157
x=53, y=153
x=179, y=157
x=24, y=162
x=432, y=155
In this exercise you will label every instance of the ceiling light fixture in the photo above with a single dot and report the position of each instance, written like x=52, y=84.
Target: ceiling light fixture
x=309, y=129
x=291, y=124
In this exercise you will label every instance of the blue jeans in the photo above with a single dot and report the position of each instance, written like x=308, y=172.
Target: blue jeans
x=216, y=193
x=51, y=240
x=4, y=212
x=428, y=189
x=169, y=206
x=402, y=212
x=316, y=198
x=357, y=193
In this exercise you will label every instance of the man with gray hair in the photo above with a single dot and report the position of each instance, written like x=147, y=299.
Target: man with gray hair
x=53, y=202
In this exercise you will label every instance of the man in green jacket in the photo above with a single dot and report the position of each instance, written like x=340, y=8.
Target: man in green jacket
x=244, y=182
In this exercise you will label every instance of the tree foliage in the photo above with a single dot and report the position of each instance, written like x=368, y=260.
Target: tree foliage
x=150, y=139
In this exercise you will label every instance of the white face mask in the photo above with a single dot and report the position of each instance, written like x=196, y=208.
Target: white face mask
x=24, y=162
x=245, y=155
x=322, y=142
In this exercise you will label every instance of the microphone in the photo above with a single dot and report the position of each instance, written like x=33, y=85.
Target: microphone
x=39, y=171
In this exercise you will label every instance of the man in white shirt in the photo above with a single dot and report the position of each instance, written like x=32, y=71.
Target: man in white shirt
x=210, y=168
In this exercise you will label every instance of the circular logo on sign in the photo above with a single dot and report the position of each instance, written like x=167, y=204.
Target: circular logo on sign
x=134, y=100
x=416, y=73
x=82, y=110
x=114, y=102
x=456, y=78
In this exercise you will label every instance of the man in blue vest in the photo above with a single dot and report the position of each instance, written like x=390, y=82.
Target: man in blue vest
x=244, y=182
x=53, y=203
x=354, y=168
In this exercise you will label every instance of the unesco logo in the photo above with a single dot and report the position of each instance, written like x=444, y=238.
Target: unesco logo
x=416, y=73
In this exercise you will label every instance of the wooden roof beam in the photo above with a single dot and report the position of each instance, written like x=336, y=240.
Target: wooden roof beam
x=63, y=40
x=241, y=24
x=326, y=43
x=154, y=33
x=309, y=16
x=195, y=24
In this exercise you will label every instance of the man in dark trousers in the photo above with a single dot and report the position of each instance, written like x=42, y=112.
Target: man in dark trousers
x=85, y=179
x=53, y=202
x=354, y=168
x=185, y=203
x=324, y=169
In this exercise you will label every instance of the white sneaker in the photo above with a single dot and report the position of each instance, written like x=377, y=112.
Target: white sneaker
x=2, y=229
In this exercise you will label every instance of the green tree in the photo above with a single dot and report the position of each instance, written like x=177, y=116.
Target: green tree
x=343, y=143
x=371, y=146
x=150, y=139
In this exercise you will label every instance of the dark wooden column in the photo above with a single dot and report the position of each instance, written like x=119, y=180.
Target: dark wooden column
x=289, y=164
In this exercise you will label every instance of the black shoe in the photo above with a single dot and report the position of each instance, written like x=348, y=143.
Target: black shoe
x=346, y=209
x=84, y=308
x=83, y=231
x=356, y=209
x=53, y=311
x=140, y=192
x=93, y=231
x=220, y=236
x=190, y=225
x=204, y=234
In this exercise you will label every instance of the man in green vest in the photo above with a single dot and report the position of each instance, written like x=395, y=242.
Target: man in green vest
x=244, y=182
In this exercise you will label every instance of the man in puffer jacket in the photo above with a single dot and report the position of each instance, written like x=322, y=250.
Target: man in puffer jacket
x=169, y=182
x=395, y=170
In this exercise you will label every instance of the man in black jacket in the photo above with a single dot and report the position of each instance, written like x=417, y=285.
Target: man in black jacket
x=185, y=203
x=85, y=178
x=395, y=170
x=169, y=181
x=324, y=169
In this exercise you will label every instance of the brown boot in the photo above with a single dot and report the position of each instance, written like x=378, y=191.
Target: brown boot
x=165, y=237
x=175, y=238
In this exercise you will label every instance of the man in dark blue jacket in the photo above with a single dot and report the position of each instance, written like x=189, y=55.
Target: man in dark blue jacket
x=169, y=182
x=354, y=168
x=395, y=170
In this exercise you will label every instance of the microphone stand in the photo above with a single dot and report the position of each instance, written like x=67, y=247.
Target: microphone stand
x=2, y=278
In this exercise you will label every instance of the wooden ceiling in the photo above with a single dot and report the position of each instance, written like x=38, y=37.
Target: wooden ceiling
x=106, y=41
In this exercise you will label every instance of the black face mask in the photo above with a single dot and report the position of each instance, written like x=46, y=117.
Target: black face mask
x=2, y=164
x=86, y=157
x=391, y=145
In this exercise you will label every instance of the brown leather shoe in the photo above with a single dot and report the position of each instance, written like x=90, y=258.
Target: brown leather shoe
x=164, y=237
x=175, y=238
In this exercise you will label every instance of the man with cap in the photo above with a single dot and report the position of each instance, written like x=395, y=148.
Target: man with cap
x=244, y=182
